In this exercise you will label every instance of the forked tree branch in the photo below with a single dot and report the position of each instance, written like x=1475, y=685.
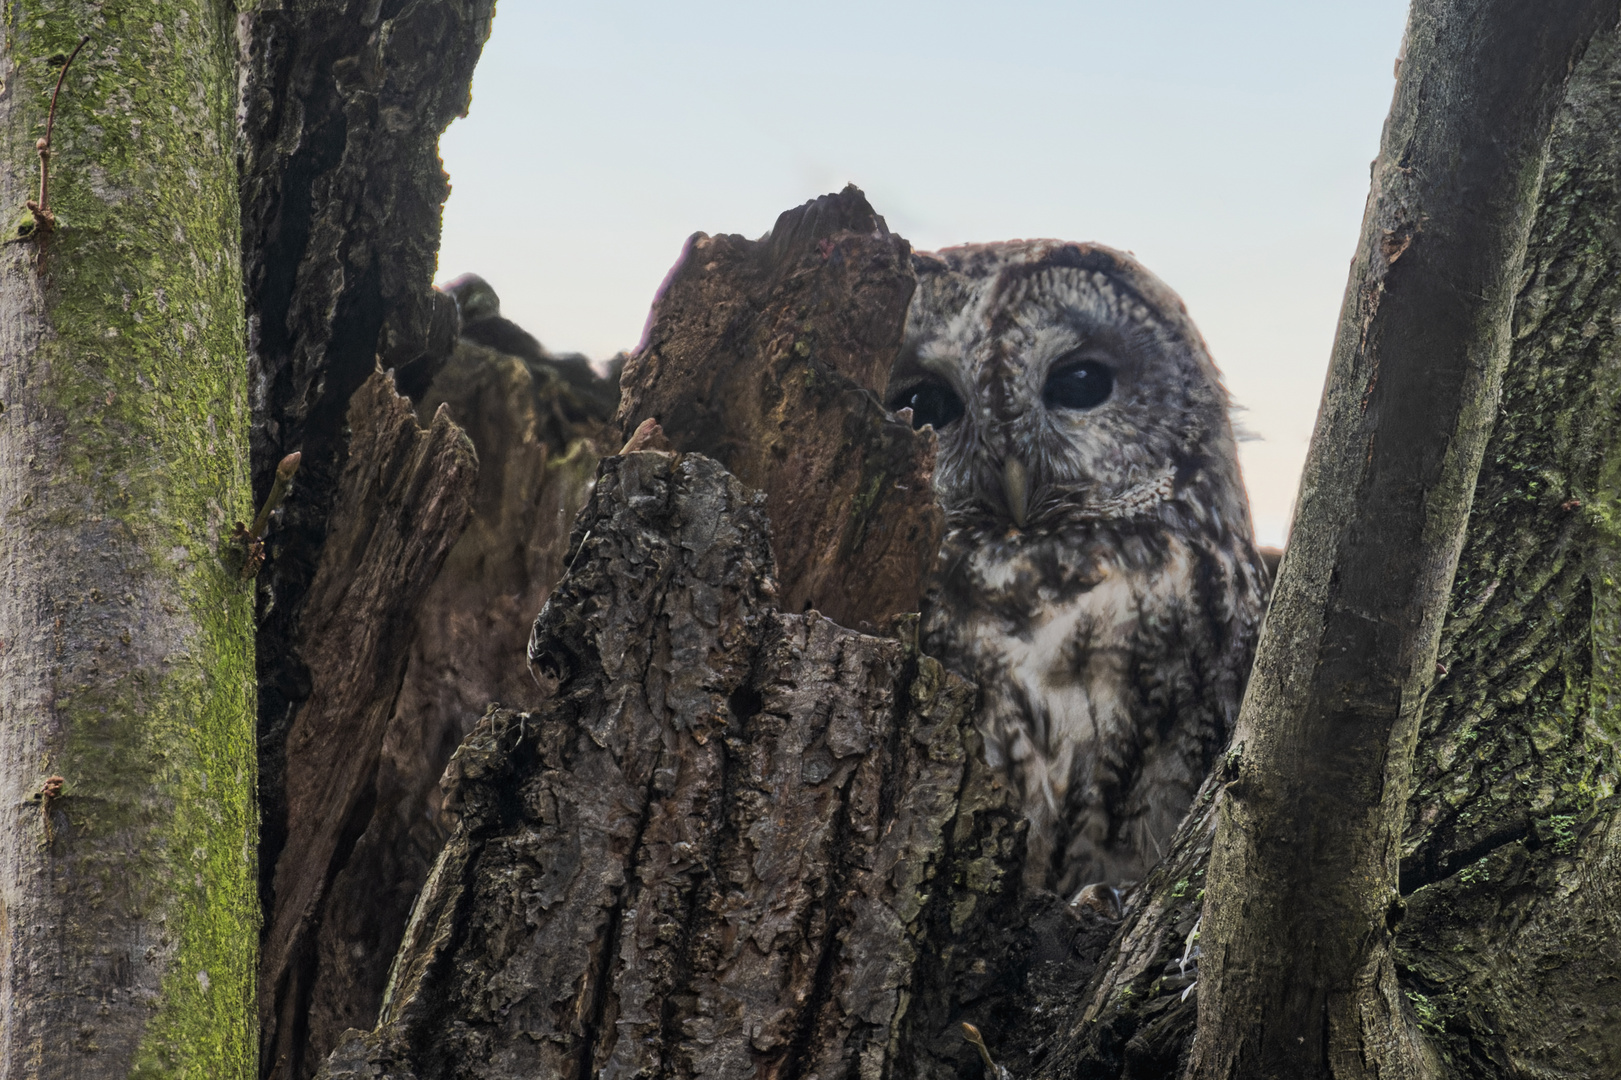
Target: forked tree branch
x=1297, y=978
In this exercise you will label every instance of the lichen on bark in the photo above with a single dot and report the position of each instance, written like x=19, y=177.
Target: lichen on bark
x=1509, y=876
x=128, y=662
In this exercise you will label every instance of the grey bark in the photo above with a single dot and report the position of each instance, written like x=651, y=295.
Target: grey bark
x=1297, y=977
x=126, y=882
x=1511, y=851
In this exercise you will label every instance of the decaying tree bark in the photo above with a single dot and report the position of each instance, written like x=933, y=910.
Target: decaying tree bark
x=341, y=190
x=537, y=459
x=702, y=856
x=812, y=845
x=127, y=819
x=767, y=356
x=405, y=495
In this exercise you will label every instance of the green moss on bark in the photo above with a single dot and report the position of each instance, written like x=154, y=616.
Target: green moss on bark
x=1510, y=919
x=146, y=382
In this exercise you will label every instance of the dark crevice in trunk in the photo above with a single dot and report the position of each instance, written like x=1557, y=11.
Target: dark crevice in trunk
x=602, y=976
x=1440, y=867
x=828, y=952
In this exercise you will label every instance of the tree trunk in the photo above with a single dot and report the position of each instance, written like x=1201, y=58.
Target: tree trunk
x=1509, y=894
x=1511, y=854
x=805, y=897
x=128, y=914
x=1297, y=977
x=343, y=105
x=704, y=854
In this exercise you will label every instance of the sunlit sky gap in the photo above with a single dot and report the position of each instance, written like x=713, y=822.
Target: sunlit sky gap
x=1227, y=145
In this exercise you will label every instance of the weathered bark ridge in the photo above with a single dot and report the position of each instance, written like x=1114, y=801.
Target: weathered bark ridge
x=714, y=801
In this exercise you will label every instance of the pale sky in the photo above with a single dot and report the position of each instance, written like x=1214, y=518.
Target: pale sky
x=1227, y=145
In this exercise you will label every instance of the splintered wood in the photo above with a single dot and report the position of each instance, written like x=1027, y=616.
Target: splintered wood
x=717, y=843
x=767, y=356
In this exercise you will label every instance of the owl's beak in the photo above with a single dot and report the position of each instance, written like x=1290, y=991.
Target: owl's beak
x=1015, y=489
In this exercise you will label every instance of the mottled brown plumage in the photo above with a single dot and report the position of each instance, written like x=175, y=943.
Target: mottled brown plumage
x=1099, y=578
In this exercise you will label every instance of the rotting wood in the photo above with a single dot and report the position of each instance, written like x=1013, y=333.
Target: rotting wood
x=706, y=854
x=534, y=433
x=340, y=195
x=405, y=494
x=768, y=355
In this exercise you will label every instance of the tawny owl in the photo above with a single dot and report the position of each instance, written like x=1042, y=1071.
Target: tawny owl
x=1099, y=577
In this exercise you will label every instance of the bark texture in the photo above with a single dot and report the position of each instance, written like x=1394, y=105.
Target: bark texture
x=127, y=913
x=1511, y=859
x=768, y=355
x=1297, y=977
x=717, y=848
x=404, y=497
x=343, y=104
x=536, y=463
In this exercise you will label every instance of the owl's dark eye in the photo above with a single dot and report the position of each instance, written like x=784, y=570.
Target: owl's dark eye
x=931, y=403
x=1083, y=385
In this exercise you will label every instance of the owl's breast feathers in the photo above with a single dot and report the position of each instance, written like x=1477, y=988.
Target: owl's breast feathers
x=1111, y=656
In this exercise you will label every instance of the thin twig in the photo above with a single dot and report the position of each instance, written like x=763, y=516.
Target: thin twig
x=43, y=218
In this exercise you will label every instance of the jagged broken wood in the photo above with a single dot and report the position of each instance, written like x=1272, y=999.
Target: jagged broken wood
x=406, y=494
x=340, y=192
x=768, y=355
x=536, y=462
x=713, y=849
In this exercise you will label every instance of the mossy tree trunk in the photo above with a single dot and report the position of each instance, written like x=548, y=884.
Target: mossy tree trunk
x=1511, y=847
x=129, y=917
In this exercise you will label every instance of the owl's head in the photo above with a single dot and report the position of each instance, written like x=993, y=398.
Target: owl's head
x=1062, y=380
